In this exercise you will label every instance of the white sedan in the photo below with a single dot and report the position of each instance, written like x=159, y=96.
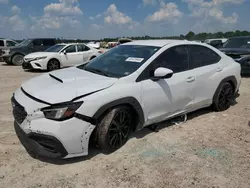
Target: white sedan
x=60, y=55
x=131, y=86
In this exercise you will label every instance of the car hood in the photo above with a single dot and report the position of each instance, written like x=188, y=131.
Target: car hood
x=235, y=51
x=39, y=54
x=14, y=48
x=65, y=85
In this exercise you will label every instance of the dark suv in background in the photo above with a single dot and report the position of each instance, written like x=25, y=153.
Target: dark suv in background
x=14, y=55
x=239, y=49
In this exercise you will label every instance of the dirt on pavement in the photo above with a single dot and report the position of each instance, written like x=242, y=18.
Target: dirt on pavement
x=210, y=150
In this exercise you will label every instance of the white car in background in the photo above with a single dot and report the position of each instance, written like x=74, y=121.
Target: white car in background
x=96, y=45
x=131, y=86
x=59, y=56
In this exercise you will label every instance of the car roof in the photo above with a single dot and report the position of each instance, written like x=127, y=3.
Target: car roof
x=40, y=39
x=240, y=37
x=160, y=43
x=73, y=43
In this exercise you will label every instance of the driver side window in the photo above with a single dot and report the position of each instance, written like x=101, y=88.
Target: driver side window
x=174, y=58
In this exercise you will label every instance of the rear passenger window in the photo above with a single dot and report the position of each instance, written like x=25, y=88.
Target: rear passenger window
x=82, y=48
x=175, y=58
x=202, y=56
x=71, y=49
x=1, y=43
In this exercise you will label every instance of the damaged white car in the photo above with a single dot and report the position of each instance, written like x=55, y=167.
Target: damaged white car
x=129, y=87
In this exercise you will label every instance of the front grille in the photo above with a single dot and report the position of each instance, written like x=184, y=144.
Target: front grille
x=1, y=52
x=27, y=65
x=19, y=112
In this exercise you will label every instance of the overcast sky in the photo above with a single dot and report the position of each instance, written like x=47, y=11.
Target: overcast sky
x=95, y=19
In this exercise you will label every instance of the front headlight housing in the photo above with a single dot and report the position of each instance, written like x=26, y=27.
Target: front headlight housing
x=61, y=112
x=38, y=58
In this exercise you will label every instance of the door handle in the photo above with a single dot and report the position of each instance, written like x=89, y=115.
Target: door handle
x=190, y=79
x=219, y=69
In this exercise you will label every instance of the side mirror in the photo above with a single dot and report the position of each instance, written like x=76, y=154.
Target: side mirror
x=64, y=51
x=162, y=73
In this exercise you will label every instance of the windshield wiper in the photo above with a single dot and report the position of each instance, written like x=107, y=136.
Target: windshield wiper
x=97, y=71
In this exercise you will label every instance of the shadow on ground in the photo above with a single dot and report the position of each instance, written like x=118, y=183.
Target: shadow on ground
x=93, y=151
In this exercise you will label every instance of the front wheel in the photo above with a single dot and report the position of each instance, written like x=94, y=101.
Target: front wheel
x=114, y=129
x=17, y=59
x=223, y=98
x=53, y=64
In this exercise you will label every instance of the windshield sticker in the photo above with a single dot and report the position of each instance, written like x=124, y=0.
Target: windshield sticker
x=135, y=59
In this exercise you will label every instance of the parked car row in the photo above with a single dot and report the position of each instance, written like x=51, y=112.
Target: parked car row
x=134, y=85
x=5, y=43
x=46, y=54
x=59, y=56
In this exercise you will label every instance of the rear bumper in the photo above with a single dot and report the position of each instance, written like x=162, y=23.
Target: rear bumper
x=245, y=70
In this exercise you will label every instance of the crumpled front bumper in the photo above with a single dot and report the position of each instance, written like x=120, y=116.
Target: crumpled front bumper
x=42, y=137
x=39, y=145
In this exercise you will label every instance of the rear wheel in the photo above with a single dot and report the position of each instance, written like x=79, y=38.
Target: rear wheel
x=114, y=129
x=53, y=64
x=223, y=97
x=17, y=59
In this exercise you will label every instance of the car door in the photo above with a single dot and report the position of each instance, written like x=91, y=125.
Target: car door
x=205, y=64
x=84, y=53
x=37, y=45
x=69, y=56
x=167, y=97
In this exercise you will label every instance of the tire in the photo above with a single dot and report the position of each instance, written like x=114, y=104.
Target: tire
x=8, y=62
x=223, y=97
x=114, y=129
x=53, y=64
x=17, y=59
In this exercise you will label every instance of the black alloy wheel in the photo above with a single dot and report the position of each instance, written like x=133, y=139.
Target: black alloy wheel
x=114, y=129
x=224, y=97
x=53, y=64
x=119, y=129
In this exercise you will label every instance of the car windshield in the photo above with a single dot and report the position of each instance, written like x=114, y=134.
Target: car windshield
x=120, y=61
x=237, y=43
x=55, y=48
x=24, y=43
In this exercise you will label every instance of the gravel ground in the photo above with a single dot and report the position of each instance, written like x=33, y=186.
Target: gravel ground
x=210, y=150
